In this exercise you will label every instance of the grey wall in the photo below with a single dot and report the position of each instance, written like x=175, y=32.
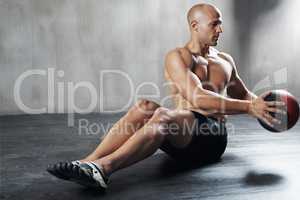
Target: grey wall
x=84, y=37
x=268, y=38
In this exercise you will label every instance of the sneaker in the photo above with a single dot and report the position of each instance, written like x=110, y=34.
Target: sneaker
x=93, y=176
x=61, y=170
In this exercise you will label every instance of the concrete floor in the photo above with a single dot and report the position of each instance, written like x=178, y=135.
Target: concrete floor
x=256, y=165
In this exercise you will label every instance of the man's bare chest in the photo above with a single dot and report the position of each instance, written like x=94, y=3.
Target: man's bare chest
x=214, y=74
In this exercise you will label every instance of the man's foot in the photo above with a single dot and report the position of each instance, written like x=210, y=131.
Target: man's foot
x=87, y=173
x=61, y=170
x=93, y=176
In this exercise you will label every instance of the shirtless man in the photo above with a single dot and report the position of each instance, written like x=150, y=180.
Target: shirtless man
x=200, y=77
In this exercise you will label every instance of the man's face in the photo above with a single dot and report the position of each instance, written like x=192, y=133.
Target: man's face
x=209, y=29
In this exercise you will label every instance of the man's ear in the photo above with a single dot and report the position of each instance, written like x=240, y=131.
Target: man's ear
x=194, y=25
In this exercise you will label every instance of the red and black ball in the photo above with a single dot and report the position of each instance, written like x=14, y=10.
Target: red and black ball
x=291, y=107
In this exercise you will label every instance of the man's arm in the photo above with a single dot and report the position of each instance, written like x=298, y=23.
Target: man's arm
x=236, y=88
x=191, y=89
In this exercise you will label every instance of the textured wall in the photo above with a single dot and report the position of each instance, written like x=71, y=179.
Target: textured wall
x=84, y=37
x=268, y=37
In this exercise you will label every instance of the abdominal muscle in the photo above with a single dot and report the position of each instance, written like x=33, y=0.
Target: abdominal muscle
x=180, y=103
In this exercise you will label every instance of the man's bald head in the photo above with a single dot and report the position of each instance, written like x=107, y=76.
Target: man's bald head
x=200, y=11
x=205, y=22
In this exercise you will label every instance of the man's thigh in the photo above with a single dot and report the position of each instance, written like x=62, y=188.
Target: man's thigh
x=181, y=128
x=194, y=143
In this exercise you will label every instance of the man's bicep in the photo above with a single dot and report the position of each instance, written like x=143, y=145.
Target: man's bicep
x=237, y=89
x=184, y=79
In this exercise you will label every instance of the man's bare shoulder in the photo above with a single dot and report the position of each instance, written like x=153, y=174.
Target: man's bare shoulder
x=230, y=59
x=180, y=53
x=227, y=57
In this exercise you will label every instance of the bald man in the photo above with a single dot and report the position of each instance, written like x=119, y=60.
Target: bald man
x=200, y=78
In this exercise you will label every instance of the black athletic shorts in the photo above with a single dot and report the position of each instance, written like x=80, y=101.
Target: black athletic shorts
x=208, y=142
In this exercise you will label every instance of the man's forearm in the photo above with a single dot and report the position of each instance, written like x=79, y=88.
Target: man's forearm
x=217, y=103
x=250, y=96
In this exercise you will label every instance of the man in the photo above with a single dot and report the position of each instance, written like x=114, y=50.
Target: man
x=199, y=76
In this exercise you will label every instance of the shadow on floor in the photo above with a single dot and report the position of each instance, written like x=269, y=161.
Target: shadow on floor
x=171, y=167
x=254, y=178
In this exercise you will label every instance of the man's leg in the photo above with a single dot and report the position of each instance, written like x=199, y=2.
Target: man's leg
x=139, y=146
x=135, y=118
x=149, y=138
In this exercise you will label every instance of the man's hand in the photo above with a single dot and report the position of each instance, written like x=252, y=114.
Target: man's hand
x=260, y=109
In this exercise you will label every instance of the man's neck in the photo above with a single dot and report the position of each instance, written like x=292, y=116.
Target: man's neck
x=197, y=48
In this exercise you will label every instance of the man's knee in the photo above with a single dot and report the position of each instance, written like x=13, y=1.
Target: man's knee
x=162, y=115
x=142, y=111
x=144, y=107
x=159, y=123
x=147, y=105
